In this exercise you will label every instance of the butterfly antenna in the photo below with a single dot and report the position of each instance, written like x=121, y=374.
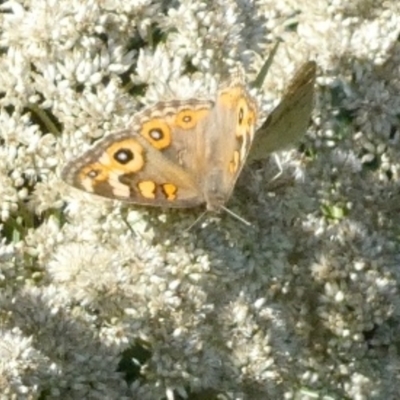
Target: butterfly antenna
x=239, y=218
x=124, y=218
x=196, y=221
x=279, y=165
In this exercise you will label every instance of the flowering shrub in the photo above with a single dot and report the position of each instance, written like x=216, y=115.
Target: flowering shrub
x=101, y=300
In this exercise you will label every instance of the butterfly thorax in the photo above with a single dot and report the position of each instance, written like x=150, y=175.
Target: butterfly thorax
x=215, y=191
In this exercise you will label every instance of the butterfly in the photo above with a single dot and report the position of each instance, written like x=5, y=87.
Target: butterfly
x=179, y=153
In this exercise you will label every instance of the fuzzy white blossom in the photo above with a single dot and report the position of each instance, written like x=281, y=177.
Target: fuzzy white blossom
x=102, y=300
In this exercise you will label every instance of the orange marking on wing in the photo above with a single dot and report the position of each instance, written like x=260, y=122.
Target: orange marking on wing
x=170, y=191
x=234, y=163
x=230, y=96
x=245, y=115
x=125, y=156
x=188, y=119
x=147, y=189
x=94, y=172
x=157, y=132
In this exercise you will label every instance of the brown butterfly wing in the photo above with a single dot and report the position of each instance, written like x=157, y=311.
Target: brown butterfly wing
x=179, y=129
x=289, y=120
x=118, y=167
x=229, y=138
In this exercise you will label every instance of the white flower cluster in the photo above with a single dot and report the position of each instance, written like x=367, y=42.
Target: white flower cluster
x=98, y=300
